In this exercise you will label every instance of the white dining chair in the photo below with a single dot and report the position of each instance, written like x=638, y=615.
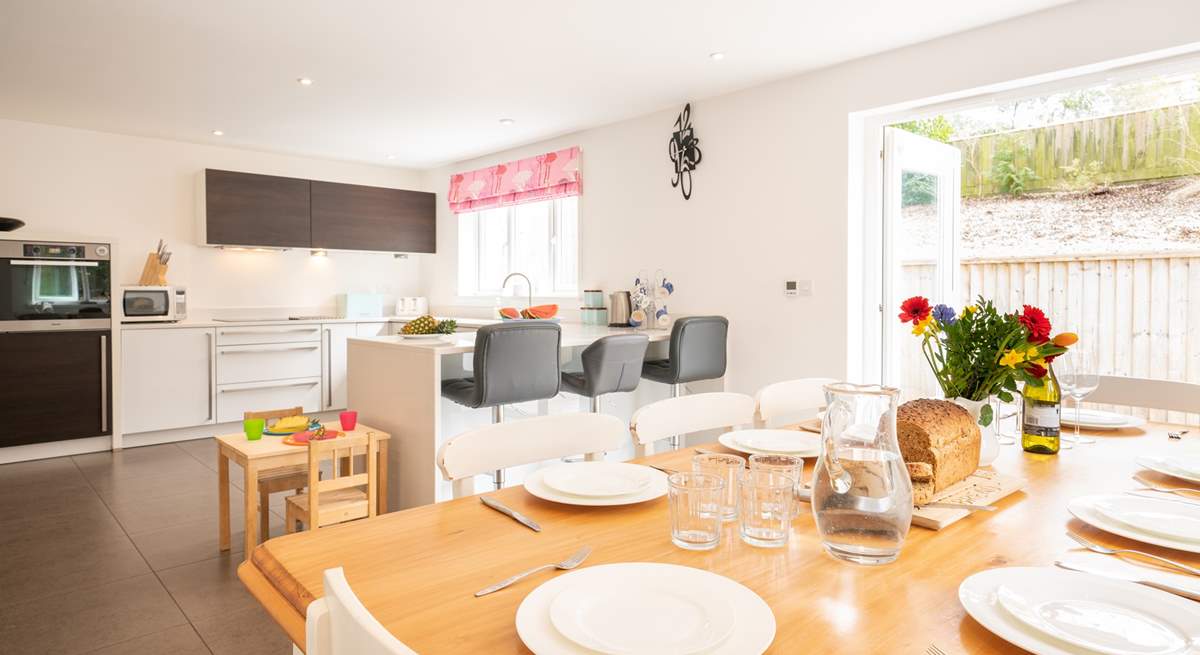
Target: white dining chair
x=339, y=624
x=1144, y=392
x=501, y=445
x=687, y=414
x=788, y=400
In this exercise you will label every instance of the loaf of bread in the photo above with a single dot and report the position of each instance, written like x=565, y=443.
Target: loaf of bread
x=940, y=444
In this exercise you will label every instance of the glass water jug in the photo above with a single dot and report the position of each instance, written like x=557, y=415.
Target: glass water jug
x=862, y=494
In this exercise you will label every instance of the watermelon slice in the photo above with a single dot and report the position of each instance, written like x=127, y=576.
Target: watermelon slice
x=509, y=313
x=541, y=311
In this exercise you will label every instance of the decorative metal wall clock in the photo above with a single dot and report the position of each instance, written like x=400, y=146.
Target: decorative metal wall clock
x=684, y=149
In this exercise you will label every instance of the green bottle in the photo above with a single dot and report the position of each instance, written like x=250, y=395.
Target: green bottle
x=1040, y=420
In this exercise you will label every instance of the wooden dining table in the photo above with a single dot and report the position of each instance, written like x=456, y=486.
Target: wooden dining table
x=416, y=570
x=267, y=454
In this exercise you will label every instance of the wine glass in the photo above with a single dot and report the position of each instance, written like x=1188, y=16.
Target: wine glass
x=1079, y=377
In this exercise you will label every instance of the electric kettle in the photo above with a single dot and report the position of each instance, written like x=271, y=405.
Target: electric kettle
x=619, y=307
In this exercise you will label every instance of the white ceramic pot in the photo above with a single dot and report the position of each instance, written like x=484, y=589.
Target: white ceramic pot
x=989, y=446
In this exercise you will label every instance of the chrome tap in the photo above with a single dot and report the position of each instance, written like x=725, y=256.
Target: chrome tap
x=528, y=286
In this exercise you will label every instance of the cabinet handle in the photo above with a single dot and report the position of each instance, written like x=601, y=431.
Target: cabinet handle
x=212, y=397
x=267, y=350
x=268, y=331
x=276, y=385
x=328, y=369
x=103, y=383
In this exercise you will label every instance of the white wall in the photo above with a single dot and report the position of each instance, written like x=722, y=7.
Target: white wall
x=770, y=201
x=77, y=184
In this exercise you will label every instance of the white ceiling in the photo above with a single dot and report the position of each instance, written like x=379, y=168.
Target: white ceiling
x=425, y=81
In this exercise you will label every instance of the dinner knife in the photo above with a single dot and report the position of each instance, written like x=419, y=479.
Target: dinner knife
x=511, y=513
x=1112, y=574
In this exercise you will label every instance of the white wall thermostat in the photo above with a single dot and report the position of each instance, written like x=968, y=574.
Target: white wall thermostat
x=793, y=288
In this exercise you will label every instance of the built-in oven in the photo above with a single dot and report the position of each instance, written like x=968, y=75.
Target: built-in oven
x=55, y=341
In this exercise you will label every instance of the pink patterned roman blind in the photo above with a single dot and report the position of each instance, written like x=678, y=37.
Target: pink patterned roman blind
x=552, y=175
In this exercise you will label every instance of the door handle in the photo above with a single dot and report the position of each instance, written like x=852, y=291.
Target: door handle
x=212, y=397
x=103, y=383
x=268, y=331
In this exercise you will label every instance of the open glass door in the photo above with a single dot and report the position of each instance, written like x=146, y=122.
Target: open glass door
x=921, y=200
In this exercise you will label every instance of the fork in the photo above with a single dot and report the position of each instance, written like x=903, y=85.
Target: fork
x=934, y=650
x=565, y=565
x=1096, y=548
x=1179, y=491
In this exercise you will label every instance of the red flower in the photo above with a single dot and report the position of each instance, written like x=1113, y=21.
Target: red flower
x=1036, y=371
x=1049, y=358
x=914, y=310
x=1036, y=322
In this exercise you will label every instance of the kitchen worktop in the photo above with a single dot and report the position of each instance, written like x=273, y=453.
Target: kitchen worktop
x=207, y=322
x=573, y=335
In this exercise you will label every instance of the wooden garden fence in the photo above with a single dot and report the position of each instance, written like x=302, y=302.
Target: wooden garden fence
x=1141, y=312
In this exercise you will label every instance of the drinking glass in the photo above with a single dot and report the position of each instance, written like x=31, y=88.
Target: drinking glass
x=1078, y=376
x=861, y=493
x=348, y=419
x=766, y=516
x=695, y=500
x=253, y=427
x=789, y=465
x=727, y=468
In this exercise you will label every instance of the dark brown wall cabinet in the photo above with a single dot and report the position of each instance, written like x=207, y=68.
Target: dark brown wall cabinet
x=245, y=209
x=354, y=217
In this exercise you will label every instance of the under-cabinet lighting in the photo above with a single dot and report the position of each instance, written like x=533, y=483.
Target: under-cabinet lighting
x=716, y=56
x=507, y=121
x=320, y=252
x=304, y=81
x=218, y=133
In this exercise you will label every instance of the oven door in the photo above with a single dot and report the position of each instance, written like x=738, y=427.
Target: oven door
x=49, y=294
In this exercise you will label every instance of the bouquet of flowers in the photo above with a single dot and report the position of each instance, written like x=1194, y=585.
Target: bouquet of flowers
x=979, y=352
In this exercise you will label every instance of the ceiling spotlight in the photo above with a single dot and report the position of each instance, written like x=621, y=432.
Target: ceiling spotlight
x=716, y=56
x=304, y=81
x=218, y=133
x=507, y=121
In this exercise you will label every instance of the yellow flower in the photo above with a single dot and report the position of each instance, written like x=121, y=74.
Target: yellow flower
x=969, y=309
x=1013, y=358
x=921, y=326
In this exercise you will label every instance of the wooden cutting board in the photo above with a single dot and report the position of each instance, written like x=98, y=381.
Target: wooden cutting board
x=983, y=487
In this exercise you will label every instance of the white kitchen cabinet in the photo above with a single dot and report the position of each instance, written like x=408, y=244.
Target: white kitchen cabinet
x=168, y=378
x=372, y=330
x=269, y=361
x=334, y=336
x=233, y=400
x=248, y=334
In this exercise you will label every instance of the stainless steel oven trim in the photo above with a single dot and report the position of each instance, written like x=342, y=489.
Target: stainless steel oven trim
x=56, y=325
x=15, y=249
x=53, y=262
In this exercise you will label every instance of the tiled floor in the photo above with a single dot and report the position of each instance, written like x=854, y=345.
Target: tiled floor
x=117, y=554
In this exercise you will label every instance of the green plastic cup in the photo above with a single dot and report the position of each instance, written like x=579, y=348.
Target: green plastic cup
x=254, y=428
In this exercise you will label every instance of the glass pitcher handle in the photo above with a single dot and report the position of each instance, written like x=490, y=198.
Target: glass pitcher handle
x=839, y=479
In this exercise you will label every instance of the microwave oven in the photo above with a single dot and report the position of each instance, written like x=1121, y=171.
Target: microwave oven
x=146, y=304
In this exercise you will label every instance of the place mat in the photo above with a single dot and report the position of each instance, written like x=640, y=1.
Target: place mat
x=301, y=438
x=983, y=487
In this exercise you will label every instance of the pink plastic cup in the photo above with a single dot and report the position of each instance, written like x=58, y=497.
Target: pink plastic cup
x=349, y=419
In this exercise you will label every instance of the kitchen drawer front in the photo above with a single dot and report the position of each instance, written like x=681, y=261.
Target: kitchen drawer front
x=234, y=400
x=236, y=336
x=258, y=362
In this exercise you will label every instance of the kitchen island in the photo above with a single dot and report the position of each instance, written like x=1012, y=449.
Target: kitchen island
x=396, y=384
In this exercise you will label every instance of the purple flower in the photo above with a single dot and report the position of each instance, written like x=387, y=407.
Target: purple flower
x=944, y=314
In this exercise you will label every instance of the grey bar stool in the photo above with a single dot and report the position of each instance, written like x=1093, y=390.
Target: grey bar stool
x=514, y=363
x=610, y=364
x=697, y=352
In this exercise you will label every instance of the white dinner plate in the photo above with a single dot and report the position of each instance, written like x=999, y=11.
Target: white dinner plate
x=1173, y=466
x=753, y=622
x=423, y=337
x=1094, y=419
x=598, y=479
x=536, y=486
x=666, y=611
x=1162, y=516
x=1064, y=609
x=1084, y=509
x=770, y=442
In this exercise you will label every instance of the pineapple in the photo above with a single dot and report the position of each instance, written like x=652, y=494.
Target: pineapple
x=420, y=325
x=447, y=326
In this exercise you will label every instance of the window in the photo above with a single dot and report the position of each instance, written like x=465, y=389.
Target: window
x=539, y=239
x=55, y=284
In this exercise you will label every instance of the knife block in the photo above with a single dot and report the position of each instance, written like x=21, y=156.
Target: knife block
x=154, y=272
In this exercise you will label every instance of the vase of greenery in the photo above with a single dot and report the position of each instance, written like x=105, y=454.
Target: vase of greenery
x=979, y=355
